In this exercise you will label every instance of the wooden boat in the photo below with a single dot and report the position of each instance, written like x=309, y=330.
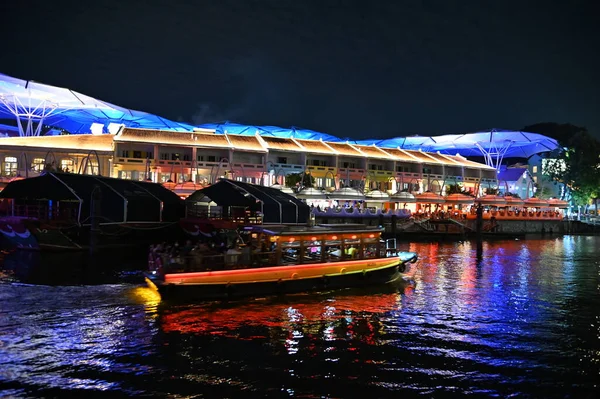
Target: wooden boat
x=287, y=259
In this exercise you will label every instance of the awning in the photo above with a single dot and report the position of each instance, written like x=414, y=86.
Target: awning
x=276, y=206
x=122, y=200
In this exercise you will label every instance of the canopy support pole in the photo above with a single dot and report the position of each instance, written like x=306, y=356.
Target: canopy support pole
x=29, y=114
x=495, y=154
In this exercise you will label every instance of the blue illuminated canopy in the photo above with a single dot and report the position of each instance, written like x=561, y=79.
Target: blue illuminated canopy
x=513, y=144
x=493, y=145
x=34, y=104
x=274, y=131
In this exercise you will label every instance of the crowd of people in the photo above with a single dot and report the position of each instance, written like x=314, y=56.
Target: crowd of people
x=208, y=253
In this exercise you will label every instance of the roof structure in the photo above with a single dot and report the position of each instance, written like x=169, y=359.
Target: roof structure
x=511, y=174
x=123, y=201
x=277, y=207
x=493, y=145
x=36, y=104
x=275, y=131
x=82, y=142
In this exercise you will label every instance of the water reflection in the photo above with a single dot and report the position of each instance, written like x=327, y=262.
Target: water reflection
x=327, y=315
x=509, y=318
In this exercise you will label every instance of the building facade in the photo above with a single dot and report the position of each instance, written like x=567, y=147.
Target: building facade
x=188, y=161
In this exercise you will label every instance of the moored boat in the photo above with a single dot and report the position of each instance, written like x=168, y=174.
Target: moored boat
x=286, y=259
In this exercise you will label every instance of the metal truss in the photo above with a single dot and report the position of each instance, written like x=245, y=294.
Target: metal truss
x=29, y=115
x=494, y=153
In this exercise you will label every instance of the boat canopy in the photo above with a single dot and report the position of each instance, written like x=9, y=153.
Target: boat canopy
x=275, y=205
x=122, y=200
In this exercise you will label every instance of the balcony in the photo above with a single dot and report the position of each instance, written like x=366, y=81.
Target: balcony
x=351, y=172
x=286, y=167
x=313, y=168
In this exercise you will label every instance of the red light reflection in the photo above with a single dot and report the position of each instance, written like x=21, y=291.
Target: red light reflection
x=226, y=319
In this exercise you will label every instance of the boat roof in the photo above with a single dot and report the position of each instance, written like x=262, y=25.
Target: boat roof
x=321, y=228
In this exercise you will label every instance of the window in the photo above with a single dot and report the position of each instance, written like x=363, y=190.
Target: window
x=125, y=154
x=534, y=169
x=137, y=154
x=174, y=156
x=67, y=165
x=186, y=157
x=164, y=177
x=164, y=156
x=38, y=164
x=312, y=252
x=212, y=158
x=535, y=179
x=10, y=166
x=282, y=160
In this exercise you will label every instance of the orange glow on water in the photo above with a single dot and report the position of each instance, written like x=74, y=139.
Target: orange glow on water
x=302, y=309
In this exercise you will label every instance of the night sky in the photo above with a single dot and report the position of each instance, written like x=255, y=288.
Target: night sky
x=352, y=69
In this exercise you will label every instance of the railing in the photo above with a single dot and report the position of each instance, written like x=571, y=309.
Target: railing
x=41, y=212
x=518, y=215
x=361, y=213
x=209, y=261
x=240, y=219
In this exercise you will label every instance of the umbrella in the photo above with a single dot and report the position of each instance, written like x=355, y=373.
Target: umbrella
x=556, y=203
x=377, y=195
x=403, y=196
x=536, y=203
x=493, y=200
x=458, y=198
x=430, y=198
x=347, y=194
x=309, y=193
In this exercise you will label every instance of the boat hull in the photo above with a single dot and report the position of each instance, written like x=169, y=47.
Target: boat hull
x=250, y=283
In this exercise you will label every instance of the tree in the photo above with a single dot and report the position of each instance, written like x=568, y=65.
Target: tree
x=302, y=179
x=456, y=189
x=576, y=164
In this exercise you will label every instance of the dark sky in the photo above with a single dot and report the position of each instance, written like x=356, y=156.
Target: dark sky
x=359, y=69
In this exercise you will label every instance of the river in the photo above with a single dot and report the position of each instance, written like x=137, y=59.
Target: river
x=514, y=318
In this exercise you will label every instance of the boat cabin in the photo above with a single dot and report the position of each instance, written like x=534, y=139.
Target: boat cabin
x=317, y=244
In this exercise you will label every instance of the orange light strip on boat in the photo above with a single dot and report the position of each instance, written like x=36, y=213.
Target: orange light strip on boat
x=368, y=263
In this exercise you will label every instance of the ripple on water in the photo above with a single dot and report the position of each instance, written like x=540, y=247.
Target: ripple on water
x=519, y=320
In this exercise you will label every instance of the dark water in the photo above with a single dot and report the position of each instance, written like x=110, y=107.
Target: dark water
x=520, y=320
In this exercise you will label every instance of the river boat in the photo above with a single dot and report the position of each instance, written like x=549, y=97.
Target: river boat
x=285, y=259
